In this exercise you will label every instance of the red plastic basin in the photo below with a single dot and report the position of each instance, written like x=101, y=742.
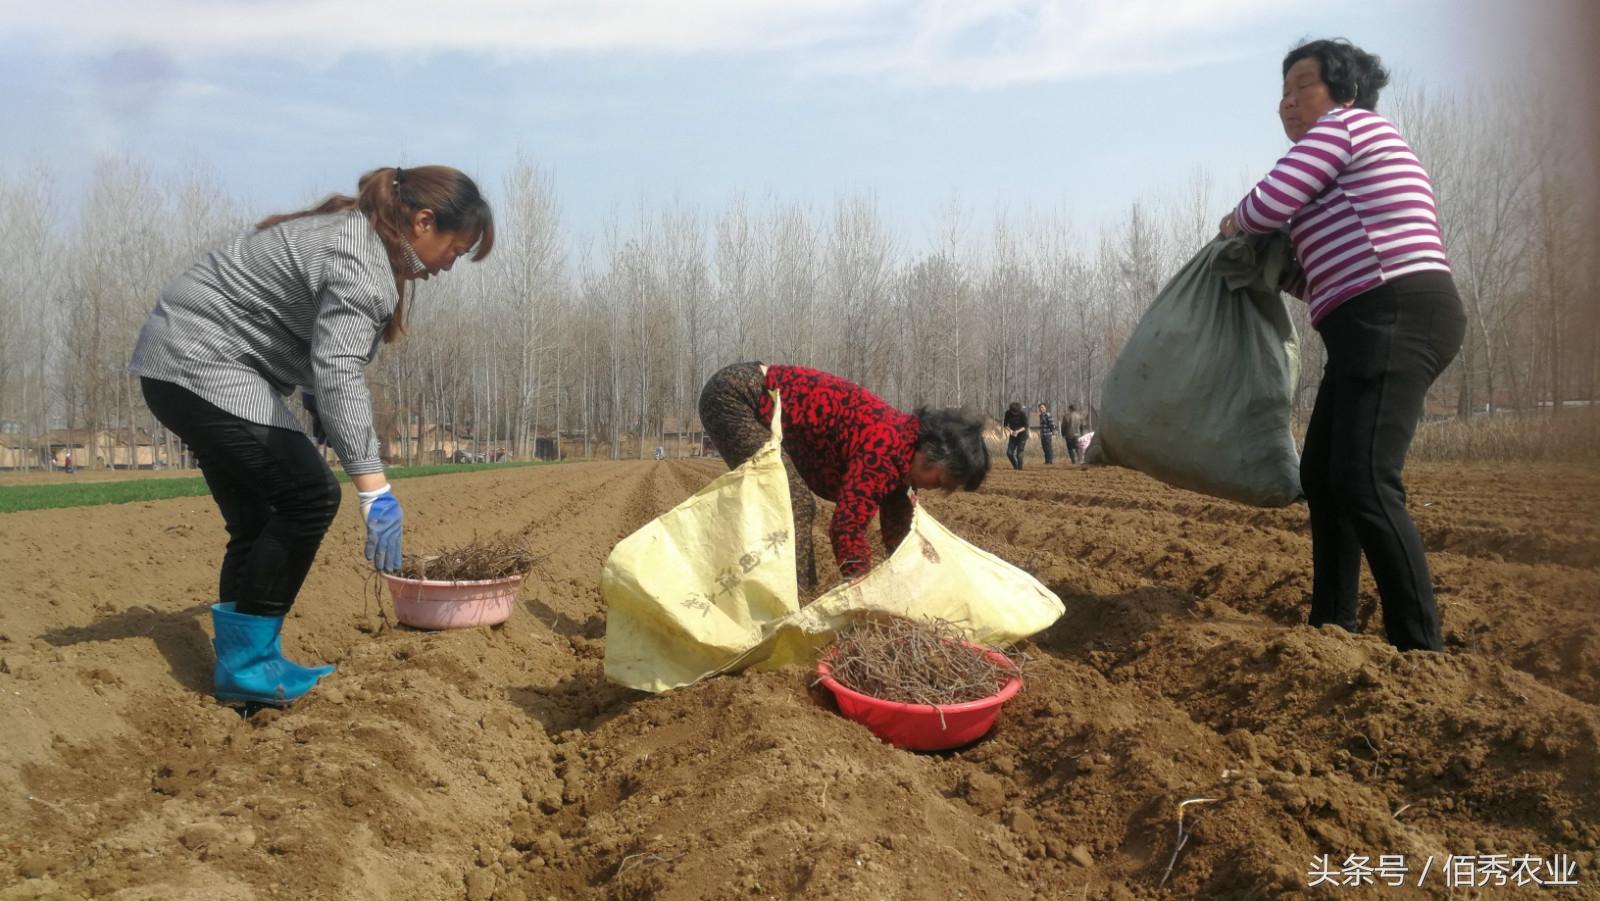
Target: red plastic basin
x=920, y=727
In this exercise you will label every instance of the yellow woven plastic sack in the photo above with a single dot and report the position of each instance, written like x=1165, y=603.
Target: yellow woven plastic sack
x=701, y=584
x=709, y=587
x=934, y=573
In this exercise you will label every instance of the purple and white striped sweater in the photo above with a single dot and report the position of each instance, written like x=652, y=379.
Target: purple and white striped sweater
x=1359, y=206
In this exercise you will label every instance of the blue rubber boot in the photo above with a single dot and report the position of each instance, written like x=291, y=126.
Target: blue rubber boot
x=315, y=672
x=250, y=664
x=277, y=646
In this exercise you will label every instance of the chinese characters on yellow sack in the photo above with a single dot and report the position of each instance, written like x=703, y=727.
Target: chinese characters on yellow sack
x=709, y=586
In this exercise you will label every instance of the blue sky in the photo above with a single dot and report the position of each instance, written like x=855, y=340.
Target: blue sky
x=1078, y=105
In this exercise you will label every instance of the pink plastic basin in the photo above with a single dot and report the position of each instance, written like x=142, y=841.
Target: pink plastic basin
x=430, y=604
x=919, y=727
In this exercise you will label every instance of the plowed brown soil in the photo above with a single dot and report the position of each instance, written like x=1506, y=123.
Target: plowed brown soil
x=498, y=763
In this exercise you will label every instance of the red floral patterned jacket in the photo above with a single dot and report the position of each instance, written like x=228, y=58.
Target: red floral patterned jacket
x=852, y=448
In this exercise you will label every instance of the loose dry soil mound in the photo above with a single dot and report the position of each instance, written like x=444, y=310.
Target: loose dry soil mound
x=499, y=763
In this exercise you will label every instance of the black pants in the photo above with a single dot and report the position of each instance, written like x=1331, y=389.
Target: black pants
x=1074, y=455
x=1385, y=348
x=276, y=494
x=729, y=413
x=1015, y=445
x=1047, y=444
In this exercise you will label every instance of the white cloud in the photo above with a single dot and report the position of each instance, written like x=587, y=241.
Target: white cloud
x=979, y=43
x=319, y=27
x=994, y=43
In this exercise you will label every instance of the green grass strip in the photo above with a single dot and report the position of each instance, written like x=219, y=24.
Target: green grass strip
x=16, y=498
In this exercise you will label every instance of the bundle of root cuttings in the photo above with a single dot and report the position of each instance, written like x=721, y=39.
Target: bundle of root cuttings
x=496, y=557
x=917, y=662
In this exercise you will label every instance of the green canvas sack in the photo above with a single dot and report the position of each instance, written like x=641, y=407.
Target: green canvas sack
x=1200, y=396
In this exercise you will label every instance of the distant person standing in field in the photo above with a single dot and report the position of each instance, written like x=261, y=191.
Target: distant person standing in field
x=1360, y=212
x=301, y=300
x=1016, y=423
x=1077, y=425
x=847, y=445
x=1047, y=433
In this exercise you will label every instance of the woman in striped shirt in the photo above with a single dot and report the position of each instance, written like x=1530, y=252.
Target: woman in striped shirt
x=302, y=300
x=1360, y=212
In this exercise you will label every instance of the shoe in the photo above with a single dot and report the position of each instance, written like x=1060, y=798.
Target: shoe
x=250, y=664
x=314, y=672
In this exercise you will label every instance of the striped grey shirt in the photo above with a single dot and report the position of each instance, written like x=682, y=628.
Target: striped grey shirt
x=303, y=303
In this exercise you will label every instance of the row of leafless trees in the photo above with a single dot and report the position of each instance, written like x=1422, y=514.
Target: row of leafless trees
x=614, y=341
x=1517, y=185
x=609, y=339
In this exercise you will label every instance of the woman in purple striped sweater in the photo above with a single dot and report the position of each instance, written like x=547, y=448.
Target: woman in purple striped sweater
x=1360, y=212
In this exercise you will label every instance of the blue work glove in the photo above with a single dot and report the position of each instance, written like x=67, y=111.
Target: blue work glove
x=382, y=513
x=318, y=434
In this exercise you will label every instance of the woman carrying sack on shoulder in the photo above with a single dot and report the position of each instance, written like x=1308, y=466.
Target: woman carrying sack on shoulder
x=1360, y=212
x=301, y=300
x=847, y=445
x=1077, y=426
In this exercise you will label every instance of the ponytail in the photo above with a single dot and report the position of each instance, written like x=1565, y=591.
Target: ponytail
x=389, y=197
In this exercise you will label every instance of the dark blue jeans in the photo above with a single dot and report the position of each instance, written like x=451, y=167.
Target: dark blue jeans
x=276, y=494
x=1047, y=444
x=1385, y=348
x=1015, y=445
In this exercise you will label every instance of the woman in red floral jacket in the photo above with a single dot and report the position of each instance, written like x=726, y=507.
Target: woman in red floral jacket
x=847, y=445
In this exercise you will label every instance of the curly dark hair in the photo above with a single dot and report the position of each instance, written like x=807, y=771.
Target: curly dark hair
x=952, y=437
x=1352, y=75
